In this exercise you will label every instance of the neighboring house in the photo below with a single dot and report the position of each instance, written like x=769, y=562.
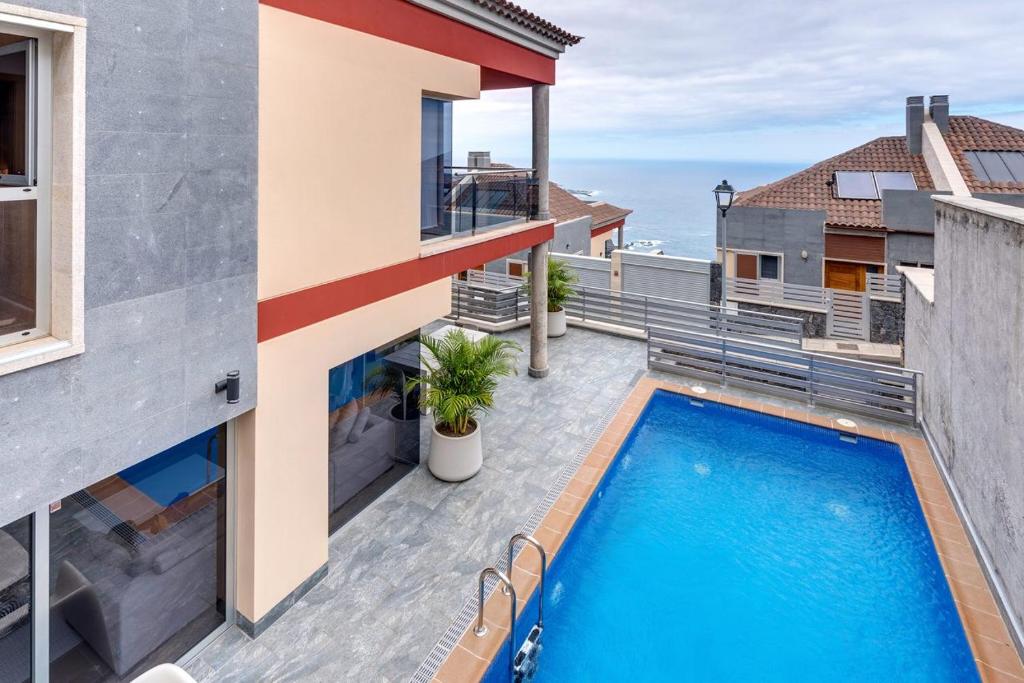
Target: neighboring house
x=869, y=209
x=580, y=227
x=256, y=195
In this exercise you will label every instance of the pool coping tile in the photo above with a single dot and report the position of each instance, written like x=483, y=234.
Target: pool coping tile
x=987, y=633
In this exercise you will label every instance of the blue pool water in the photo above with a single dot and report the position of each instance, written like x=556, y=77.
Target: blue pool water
x=725, y=545
x=179, y=471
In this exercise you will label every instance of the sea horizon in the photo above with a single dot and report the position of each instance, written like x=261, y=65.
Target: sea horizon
x=672, y=201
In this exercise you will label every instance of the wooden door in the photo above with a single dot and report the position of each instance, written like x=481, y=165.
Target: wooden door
x=746, y=266
x=848, y=276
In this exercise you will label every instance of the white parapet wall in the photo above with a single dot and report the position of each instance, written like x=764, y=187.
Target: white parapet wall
x=965, y=331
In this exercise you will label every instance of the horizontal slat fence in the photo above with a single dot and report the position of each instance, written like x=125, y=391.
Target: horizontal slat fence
x=880, y=391
x=638, y=311
x=885, y=285
x=773, y=292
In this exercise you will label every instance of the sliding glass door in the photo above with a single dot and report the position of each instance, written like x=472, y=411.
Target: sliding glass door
x=138, y=564
x=16, y=601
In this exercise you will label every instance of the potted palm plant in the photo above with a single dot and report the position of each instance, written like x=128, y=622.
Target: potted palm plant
x=561, y=279
x=457, y=385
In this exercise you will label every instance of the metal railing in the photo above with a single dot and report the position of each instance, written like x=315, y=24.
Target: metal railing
x=640, y=311
x=495, y=298
x=885, y=285
x=877, y=390
x=775, y=293
x=489, y=298
x=476, y=198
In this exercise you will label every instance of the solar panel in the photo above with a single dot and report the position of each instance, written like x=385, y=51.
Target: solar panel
x=976, y=166
x=855, y=185
x=894, y=180
x=995, y=167
x=1015, y=162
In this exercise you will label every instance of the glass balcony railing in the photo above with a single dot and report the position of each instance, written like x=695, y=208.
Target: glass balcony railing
x=473, y=199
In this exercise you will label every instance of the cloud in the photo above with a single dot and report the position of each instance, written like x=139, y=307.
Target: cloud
x=765, y=79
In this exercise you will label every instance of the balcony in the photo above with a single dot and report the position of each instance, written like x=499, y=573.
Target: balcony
x=464, y=201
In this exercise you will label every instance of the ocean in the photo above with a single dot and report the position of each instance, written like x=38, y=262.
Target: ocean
x=673, y=206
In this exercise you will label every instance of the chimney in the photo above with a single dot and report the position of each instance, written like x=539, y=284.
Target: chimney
x=938, y=107
x=915, y=119
x=479, y=160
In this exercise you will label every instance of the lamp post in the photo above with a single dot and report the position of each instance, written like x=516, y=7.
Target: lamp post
x=723, y=198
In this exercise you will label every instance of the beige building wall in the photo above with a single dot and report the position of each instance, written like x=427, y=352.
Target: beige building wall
x=339, y=154
x=282, y=445
x=597, y=244
x=339, y=165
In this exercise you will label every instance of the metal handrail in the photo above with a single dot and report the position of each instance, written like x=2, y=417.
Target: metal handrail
x=526, y=538
x=489, y=170
x=481, y=628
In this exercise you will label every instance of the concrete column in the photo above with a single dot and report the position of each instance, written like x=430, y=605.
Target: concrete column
x=540, y=147
x=539, y=253
x=539, y=311
x=622, y=237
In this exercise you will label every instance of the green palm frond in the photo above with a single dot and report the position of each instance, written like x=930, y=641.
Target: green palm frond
x=460, y=376
x=561, y=278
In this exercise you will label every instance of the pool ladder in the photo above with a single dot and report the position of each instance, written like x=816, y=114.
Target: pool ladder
x=516, y=658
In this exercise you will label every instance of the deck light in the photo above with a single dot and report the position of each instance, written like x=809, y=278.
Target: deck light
x=723, y=198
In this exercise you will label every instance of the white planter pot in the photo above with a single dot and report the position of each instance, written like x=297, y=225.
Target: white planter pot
x=455, y=458
x=556, y=323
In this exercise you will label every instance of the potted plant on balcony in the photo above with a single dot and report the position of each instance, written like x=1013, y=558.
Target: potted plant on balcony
x=457, y=385
x=561, y=279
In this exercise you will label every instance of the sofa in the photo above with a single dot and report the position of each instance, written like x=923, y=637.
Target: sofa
x=361, y=447
x=126, y=600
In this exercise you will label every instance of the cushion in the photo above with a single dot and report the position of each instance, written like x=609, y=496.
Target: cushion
x=344, y=418
x=360, y=424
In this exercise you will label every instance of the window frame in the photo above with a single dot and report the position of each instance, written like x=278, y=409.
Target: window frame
x=60, y=182
x=37, y=183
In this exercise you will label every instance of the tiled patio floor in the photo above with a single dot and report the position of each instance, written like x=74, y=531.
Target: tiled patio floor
x=401, y=570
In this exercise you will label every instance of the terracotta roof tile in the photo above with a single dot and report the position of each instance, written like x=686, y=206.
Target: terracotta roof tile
x=605, y=213
x=969, y=133
x=809, y=189
x=528, y=19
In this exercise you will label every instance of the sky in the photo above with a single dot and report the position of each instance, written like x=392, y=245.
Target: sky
x=754, y=80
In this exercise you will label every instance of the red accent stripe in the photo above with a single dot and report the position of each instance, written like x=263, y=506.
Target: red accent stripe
x=607, y=228
x=289, y=312
x=412, y=25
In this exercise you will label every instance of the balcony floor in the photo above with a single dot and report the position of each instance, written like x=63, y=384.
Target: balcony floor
x=401, y=570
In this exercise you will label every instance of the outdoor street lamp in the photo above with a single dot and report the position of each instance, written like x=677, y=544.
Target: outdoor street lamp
x=723, y=198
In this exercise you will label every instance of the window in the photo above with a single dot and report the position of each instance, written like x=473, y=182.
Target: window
x=138, y=569
x=435, y=166
x=373, y=426
x=870, y=184
x=769, y=267
x=24, y=224
x=16, y=601
x=997, y=167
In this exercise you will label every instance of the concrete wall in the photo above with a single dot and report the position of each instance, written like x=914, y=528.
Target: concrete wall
x=907, y=247
x=790, y=231
x=170, y=266
x=968, y=339
x=570, y=237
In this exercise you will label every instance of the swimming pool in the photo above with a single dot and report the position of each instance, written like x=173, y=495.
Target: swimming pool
x=729, y=545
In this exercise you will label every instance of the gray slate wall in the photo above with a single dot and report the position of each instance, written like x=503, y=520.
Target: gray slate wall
x=787, y=230
x=170, y=285
x=970, y=345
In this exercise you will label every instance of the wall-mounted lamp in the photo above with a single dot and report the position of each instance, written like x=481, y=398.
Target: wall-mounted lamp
x=803, y=254
x=232, y=385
